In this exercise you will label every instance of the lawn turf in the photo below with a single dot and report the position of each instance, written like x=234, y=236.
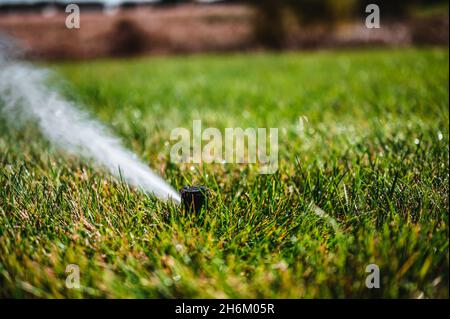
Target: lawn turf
x=363, y=178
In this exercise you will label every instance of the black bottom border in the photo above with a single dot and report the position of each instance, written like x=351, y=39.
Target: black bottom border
x=224, y=308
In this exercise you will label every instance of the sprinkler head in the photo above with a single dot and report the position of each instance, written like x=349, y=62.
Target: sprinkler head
x=193, y=198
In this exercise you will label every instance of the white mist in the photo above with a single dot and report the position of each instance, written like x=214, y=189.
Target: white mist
x=25, y=96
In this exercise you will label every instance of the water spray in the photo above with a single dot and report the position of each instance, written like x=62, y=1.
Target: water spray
x=25, y=96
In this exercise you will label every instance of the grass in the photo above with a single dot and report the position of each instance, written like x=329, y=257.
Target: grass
x=365, y=181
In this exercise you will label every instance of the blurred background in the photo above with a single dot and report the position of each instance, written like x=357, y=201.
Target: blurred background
x=140, y=27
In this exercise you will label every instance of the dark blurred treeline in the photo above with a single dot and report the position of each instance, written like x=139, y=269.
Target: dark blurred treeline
x=309, y=11
x=275, y=17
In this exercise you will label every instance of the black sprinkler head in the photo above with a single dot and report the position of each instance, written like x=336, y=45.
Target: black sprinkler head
x=193, y=198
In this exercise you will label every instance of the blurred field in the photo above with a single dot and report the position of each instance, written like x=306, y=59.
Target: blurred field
x=227, y=27
x=365, y=181
x=157, y=30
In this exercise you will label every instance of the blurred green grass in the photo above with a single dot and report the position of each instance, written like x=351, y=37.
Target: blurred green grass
x=372, y=155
